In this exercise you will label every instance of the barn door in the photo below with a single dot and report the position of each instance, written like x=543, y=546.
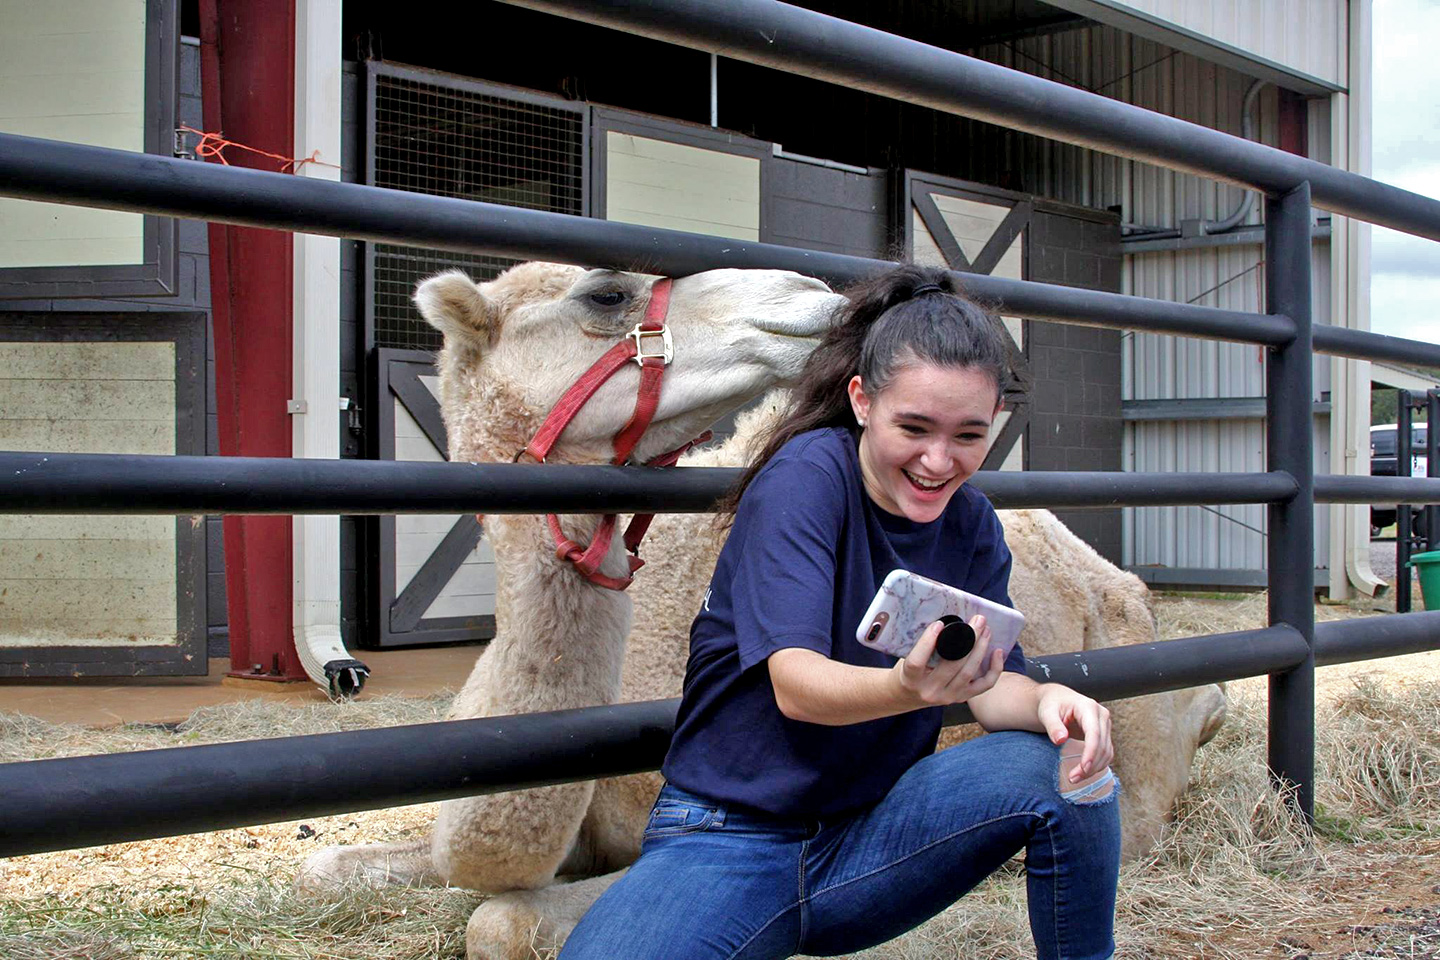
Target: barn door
x=436, y=577
x=976, y=229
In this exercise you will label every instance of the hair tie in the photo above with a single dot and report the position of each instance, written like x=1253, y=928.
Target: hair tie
x=925, y=288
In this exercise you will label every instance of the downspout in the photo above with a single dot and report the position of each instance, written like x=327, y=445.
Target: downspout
x=1350, y=264
x=1247, y=129
x=267, y=571
x=315, y=407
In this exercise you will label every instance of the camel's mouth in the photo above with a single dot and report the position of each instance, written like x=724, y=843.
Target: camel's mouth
x=809, y=328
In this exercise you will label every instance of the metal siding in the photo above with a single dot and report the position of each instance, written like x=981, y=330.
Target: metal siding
x=1151, y=75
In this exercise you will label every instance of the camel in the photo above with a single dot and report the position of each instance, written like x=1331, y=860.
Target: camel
x=510, y=352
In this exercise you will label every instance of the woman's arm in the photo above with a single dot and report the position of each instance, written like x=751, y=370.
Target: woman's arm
x=815, y=689
x=811, y=687
x=1018, y=703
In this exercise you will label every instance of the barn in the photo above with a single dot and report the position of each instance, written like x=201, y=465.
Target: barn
x=130, y=333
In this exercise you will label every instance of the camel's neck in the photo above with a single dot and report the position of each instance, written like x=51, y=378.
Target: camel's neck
x=559, y=640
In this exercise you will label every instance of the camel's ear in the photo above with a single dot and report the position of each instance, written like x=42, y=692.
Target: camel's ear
x=454, y=305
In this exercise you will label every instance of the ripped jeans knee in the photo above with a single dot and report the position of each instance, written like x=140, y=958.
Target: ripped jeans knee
x=1092, y=789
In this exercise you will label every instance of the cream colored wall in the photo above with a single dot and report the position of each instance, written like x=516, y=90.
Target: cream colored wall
x=72, y=70
x=87, y=581
x=1305, y=35
x=678, y=187
x=471, y=590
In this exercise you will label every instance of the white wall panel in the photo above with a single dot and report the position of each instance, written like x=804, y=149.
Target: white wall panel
x=87, y=581
x=470, y=591
x=72, y=71
x=680, y=187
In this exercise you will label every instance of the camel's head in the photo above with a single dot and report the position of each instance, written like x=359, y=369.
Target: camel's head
x=514, y=345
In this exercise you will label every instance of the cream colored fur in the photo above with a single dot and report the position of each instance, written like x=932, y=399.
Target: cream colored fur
x=511, y=349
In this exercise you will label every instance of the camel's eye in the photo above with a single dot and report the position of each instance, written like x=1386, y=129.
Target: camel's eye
x=609, y=298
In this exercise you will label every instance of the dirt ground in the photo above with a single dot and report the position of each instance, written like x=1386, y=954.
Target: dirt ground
x=1396, y=907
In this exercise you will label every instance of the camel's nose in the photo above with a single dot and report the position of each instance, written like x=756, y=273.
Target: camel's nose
x=813, y=284
x=1215, y=715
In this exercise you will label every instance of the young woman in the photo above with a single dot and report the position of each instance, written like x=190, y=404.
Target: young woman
x=804, y=809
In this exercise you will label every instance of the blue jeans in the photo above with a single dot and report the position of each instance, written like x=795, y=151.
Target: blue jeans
x=713, y=882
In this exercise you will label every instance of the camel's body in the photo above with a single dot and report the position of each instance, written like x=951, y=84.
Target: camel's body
x=560, y=642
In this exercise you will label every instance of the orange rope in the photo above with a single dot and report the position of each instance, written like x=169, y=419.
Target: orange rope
x=213, y=145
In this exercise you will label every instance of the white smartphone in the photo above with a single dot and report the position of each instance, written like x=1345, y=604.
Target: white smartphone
x=907, y=603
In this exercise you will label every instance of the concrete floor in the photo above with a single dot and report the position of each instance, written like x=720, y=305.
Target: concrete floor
x=101, y=702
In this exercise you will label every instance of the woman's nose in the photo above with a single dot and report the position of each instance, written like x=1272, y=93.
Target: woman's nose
x=936, y=459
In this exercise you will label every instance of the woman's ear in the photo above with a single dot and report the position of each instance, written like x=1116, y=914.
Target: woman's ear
x=859, y=401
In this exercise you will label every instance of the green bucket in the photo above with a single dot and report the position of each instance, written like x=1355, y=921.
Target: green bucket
x=1427, y=565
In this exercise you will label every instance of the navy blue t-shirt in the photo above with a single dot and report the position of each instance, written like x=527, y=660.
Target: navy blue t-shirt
x=805, y=556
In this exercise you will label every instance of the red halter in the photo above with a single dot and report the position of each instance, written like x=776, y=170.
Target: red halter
x=652, y=371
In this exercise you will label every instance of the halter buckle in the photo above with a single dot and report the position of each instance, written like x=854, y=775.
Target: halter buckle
x=667, y=348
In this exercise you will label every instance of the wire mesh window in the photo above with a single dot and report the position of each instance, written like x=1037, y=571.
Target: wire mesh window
x=459, y=139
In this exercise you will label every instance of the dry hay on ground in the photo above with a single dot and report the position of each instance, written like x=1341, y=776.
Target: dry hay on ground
x=1234, y=877
x=225, y=893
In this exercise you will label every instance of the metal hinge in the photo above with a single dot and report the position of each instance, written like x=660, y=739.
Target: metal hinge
x=181, y=149
x=352, y=415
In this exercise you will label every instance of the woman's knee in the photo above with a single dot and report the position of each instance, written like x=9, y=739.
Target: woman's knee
x=1095, y=787
x=1031, y=763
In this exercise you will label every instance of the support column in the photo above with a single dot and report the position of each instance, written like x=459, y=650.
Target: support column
x=248, y=91
x=1289, y=444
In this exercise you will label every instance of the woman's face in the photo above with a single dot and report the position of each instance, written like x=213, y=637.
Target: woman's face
x=924, y=435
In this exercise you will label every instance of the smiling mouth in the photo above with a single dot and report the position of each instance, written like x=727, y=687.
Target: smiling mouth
x=927, y=485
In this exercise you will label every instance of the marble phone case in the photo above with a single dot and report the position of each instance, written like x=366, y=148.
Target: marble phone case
x=907, y=603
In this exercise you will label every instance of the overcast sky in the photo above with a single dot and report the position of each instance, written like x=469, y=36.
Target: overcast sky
x=1405, y=270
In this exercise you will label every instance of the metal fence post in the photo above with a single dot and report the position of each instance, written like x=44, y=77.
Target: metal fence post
x=1404, y=515
x=1289, y=439
x=1432, y=466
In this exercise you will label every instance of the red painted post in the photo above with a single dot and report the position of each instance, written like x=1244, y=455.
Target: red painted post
x=247, y=50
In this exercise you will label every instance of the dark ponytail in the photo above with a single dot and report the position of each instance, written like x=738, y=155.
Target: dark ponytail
x=907, y=315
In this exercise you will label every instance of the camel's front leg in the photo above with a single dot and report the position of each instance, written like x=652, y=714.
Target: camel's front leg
x=610, y=836
x=332, y=869
x=524, y=924
x=508, y=841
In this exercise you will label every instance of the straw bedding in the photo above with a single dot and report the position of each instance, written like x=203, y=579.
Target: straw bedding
x=1235, y=876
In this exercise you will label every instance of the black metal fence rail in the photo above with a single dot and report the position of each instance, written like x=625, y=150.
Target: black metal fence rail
x=107, y=483
x=86, y=483
x=55, y=172
x=795, y=40
x=49, y=804
x=53, y=803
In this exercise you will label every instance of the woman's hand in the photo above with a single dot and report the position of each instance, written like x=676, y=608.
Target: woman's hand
x=1066, y=714
x=950, y=681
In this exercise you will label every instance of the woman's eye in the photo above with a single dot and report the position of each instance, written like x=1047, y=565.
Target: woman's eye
x=911, y=429
x=611, y=298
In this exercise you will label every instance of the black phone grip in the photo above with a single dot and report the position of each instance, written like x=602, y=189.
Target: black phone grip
x=956, y=640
